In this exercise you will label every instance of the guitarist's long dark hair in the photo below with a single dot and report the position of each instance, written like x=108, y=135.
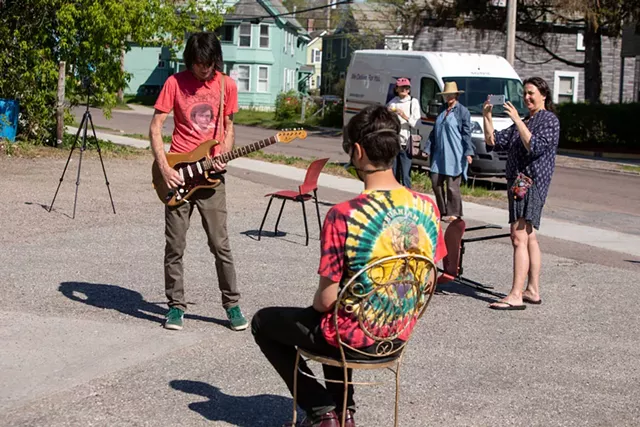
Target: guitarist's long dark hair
x=203, y=48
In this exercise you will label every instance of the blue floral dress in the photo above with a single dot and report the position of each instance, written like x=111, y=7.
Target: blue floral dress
x=538, y=163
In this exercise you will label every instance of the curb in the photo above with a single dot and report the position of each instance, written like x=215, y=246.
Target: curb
x=600, y=154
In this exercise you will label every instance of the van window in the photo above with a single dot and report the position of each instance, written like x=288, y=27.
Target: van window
x=476, y=90
x=428, y=88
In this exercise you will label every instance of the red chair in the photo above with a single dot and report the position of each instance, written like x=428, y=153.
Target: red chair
x=452, y=263
x=303, y=194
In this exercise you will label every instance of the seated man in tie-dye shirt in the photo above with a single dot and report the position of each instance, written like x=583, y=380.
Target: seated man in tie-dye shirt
x=386, y=219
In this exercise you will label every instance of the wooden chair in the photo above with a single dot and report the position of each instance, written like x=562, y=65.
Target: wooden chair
x=303, y=194
x=408, y=277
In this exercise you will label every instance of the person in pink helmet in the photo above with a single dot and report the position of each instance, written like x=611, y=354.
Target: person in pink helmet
x=408, y=110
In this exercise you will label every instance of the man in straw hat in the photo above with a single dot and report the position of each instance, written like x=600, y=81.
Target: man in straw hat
x=450, y=150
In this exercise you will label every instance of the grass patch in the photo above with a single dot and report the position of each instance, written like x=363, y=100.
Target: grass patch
x=266, y=119
x=630, y=168
x=420, y=181
x=148, y=100
x=26, y=149
x=165, y=138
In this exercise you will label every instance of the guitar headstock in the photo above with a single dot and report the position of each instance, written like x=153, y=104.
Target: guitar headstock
x=288, y=135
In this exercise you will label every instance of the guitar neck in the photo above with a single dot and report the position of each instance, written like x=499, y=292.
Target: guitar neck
x=242, y=151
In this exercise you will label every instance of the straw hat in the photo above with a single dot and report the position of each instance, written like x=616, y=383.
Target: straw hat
x=450, y=88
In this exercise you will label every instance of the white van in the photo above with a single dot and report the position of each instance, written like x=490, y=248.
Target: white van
x=372, y=74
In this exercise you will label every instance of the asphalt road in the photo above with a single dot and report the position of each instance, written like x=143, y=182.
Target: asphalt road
x=584, y=196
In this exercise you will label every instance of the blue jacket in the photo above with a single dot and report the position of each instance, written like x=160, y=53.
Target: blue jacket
x=450, y=143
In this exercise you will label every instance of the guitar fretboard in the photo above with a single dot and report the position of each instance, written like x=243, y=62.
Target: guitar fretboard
x=242, y=151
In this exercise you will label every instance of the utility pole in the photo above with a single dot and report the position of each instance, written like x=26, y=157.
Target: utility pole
x=511, y=31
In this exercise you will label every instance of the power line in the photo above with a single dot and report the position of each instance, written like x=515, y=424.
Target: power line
x=299, y=11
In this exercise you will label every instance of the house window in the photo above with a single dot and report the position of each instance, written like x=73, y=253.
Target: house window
x=316, y=56
x=292, y=41
x=428, y=88
x=342, y=75
x=264, y=36
x=263, y=79
x=344, y=44
x=225, y=33
x=244, y=77
x=329, y=48
x=565, y=86
x=245, y=35
x=291, y=79
x=161, y=64
x=285, y=48
x=318, y=82
x=406, y=46
x=580, y=42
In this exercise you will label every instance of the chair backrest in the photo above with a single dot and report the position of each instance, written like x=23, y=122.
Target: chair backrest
x=311, y=178
x=386, y=298
x=452, y=240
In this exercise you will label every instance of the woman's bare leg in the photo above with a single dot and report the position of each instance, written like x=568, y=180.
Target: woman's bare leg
x=532, y=293
x=519, y=240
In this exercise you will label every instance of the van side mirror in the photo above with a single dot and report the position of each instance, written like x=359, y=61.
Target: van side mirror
x=434, y=108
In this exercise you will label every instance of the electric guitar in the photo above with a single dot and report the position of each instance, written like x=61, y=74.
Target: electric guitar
x=196, y=167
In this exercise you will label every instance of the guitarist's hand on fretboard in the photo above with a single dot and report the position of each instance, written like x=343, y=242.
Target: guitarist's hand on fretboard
x=219, y=165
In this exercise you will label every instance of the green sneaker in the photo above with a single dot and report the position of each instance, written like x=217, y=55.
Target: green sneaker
x=237, y=322
x=174, y=320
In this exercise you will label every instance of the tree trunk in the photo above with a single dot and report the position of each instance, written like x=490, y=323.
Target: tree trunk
x=60, y=104
x=592, y=63
x=120, y=95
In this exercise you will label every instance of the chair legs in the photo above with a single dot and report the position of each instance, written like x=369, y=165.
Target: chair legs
x=345, y=395
x=265, y=217
x=395, y=414
x=306, y=227
x=280, y=215
x=295, y=389
x=315, y=198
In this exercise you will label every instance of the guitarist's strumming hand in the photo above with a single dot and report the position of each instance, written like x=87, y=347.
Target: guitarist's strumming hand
x=171, y=177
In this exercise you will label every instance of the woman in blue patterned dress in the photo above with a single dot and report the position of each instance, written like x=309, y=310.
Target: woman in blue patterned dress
x=531, y=145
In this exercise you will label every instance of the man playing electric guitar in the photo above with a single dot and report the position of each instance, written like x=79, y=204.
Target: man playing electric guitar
x=194, y=96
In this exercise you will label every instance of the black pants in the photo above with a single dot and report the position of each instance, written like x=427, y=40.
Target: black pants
x=449, y=203
x=278, y=330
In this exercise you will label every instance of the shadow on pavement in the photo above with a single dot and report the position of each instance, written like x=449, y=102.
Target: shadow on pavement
x=244, y=411
x=457, y=288
x=123, y=300
x=253, y=234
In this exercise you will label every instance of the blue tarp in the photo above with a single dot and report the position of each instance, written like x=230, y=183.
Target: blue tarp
x=8, y=119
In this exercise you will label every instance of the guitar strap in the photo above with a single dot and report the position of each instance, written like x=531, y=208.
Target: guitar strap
x=221, y=109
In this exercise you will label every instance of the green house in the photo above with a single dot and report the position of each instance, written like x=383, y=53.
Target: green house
x=263, y=52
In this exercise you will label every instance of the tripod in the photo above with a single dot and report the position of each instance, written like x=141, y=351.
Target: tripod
x=86, y=119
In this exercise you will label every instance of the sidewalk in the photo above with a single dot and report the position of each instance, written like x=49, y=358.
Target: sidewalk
x=604, y=239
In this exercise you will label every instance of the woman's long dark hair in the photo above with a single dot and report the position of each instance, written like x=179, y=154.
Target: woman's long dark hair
x=544, y=90
x=203, y=48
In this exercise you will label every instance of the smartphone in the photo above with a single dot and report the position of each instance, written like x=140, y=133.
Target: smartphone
x=496, y=99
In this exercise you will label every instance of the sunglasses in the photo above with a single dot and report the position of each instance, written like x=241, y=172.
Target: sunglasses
x=404, y=87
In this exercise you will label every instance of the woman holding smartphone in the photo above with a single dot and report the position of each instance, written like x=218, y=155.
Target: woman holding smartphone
x=531, y=145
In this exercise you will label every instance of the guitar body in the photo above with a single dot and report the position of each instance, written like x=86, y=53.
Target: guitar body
x=197, y=168
x=198, y=178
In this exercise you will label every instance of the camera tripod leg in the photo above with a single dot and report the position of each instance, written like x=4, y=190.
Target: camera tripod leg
x=82, y=148
x=104, y=171
x=75, y=141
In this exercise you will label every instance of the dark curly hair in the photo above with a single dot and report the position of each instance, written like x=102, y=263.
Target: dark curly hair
x=544, y=90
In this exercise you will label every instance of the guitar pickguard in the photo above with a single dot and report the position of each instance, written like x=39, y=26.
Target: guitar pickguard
x=194, y=177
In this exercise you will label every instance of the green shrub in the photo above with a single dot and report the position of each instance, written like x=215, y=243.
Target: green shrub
x=599, y=127
x=333, y=115
x=288, y=106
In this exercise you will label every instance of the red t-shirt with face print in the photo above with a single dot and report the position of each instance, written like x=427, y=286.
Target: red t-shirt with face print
x=195, y=106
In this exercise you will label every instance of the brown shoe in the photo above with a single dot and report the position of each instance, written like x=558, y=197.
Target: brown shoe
x=349, y=421
x=330, y=419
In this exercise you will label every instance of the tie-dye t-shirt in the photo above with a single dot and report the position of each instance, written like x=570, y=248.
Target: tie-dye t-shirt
x=374, y=225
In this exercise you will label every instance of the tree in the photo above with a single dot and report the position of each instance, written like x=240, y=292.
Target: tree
x=537, y=20
x=90, y=36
